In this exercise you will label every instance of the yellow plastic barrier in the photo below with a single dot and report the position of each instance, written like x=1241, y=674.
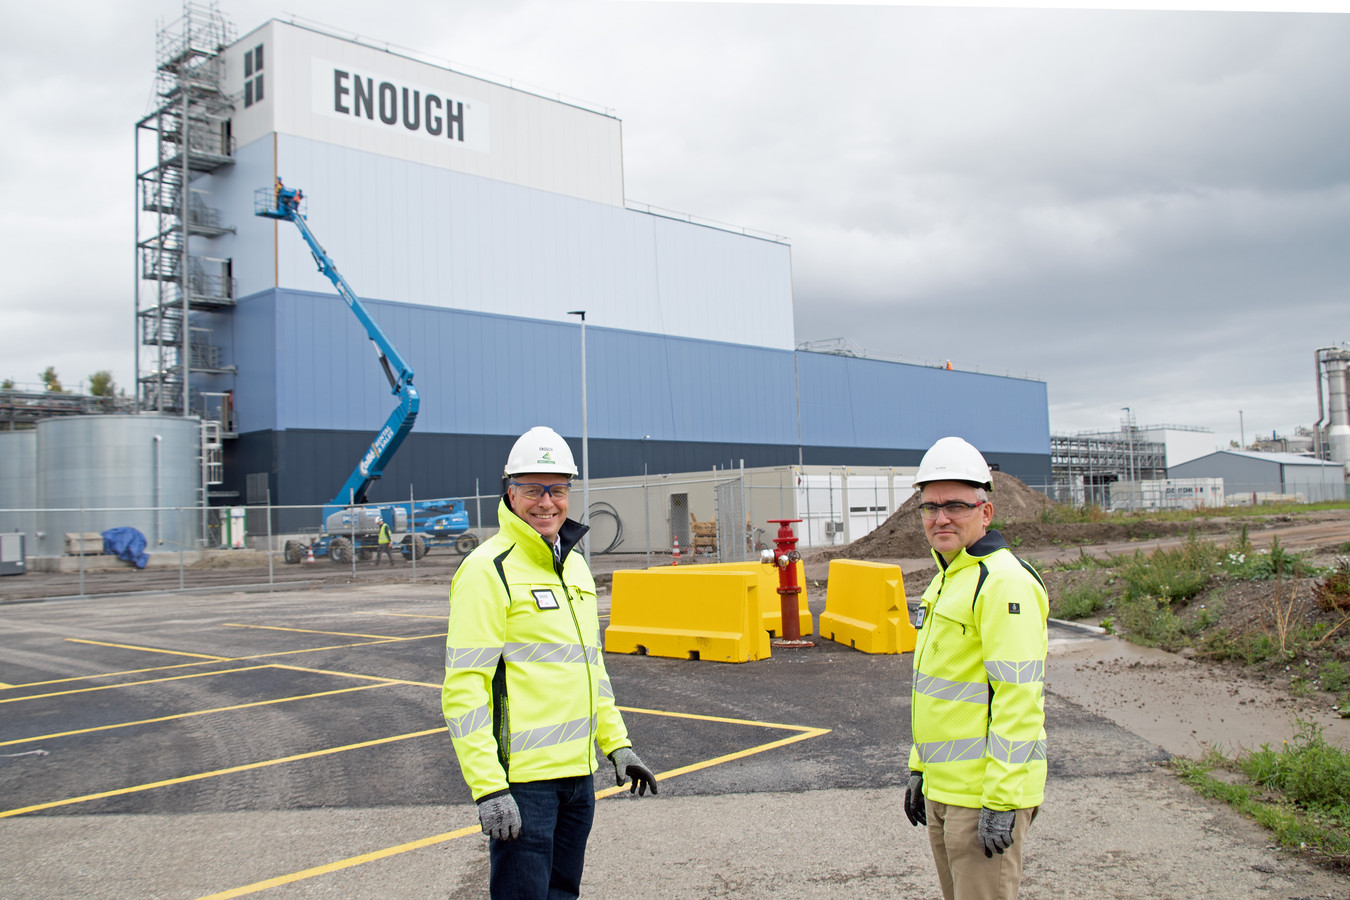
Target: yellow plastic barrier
x=865, y=607
x=676, y=612
x=770, y=601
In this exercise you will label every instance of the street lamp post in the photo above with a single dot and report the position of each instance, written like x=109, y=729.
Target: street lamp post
x=585, y=445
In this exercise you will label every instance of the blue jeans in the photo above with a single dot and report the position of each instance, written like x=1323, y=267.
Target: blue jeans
x=545, y=862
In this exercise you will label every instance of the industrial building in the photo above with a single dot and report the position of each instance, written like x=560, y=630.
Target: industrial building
x=1086, y=465
x=477, y=221
x=1261, y=477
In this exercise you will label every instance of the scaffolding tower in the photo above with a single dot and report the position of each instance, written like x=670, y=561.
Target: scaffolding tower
x=177, y=291
x=1084, y=466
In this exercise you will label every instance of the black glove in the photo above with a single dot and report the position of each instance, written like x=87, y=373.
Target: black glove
x=627, y=765
x=500, y=817
x=914, y=805
x=996, y=827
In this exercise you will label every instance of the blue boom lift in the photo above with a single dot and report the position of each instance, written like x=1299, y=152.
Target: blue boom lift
x=348, y=526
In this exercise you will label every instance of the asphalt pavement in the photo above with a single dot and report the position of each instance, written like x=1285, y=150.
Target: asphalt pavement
x=290, y=744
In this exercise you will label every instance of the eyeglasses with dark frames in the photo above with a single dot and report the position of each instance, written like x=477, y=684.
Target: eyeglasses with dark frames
x=955, y=509
x=532, y=490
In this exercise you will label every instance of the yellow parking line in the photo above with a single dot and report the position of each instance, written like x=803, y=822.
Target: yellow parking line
x=108, y=687
x=311, y=631
x=146, y=649
x=343, y=864
x=677, y=715
x=421, y=637
x=403, y=615
x=804, y=733
x=200, y=776
x=358, y=675
x=199, y=712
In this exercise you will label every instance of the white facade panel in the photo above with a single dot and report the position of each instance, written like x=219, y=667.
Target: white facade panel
x=413, y=233
x=1181, y=446
x=338, y=92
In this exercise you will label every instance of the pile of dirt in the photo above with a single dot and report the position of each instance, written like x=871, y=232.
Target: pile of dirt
x=901, y=536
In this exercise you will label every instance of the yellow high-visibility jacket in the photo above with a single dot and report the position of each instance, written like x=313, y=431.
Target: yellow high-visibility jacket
x=526, y=695
x=383, y=537
x=978, y=708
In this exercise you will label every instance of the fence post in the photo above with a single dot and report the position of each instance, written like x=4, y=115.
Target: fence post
x=182, y=539
x=412, y=530
x=83, y=525
x=351, y=517
x=270, y=549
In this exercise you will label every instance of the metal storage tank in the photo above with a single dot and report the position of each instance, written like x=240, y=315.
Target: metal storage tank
x=101, y=472
x=18, y=482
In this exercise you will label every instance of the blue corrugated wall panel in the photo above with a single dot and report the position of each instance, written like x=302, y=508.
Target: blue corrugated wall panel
x=849, y=402
x=305, y=364
x=479, y=373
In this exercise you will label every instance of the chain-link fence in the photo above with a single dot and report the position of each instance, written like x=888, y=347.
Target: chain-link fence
x=1193, y=493
x=729, y=515
x=724, y=515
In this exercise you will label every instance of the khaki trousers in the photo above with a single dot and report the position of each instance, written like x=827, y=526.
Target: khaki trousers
x=965, y=872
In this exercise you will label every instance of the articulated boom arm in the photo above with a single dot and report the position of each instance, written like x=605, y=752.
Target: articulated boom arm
x=284, y=203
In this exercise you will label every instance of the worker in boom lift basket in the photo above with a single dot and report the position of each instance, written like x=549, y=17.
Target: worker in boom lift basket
x=526, y=696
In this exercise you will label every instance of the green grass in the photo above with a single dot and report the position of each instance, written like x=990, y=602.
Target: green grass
x=1300, y=791
x=1080, y=600
x=1170, y=575
x=1334, y=676
x=1227, y=512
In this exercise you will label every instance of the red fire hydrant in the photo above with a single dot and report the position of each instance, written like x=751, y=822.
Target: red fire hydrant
x=785, y=555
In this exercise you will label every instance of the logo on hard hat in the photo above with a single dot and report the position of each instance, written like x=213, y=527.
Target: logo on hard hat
x=546, y=458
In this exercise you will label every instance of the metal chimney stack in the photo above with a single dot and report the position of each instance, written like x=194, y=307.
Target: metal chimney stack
x=1338, y=432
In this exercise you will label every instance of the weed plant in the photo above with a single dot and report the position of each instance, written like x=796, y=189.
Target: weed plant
x=1080, y=600
x=1301, y=791
x=1263, y=565
x=1149, y=621
x=1090, y=514
x=1333, y=591
x=1172, y=575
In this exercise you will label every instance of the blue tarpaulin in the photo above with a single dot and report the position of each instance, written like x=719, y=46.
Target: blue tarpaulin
x=126, y=543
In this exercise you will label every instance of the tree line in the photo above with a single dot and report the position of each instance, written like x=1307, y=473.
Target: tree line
x=101, y=383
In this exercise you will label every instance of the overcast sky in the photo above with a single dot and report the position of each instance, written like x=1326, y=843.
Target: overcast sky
x=1143, y=209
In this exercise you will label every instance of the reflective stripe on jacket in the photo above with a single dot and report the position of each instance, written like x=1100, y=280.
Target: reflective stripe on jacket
x=978, y=710
x=526, y=694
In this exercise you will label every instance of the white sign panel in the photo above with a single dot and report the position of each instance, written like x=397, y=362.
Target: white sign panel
x=386, y=102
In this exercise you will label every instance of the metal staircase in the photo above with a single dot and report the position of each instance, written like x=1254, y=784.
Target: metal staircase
x=188, y=135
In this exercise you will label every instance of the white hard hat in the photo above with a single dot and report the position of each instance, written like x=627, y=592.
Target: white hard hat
x=541, y=449
x=953, y=459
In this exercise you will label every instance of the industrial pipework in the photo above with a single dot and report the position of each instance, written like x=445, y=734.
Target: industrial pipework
x=1336, y=362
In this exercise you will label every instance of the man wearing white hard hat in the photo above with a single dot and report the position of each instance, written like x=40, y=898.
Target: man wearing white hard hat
x=977, y=765
x=526, y=696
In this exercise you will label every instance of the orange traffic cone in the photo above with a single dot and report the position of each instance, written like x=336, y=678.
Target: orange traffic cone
x=309, y=555
x=675, y=553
